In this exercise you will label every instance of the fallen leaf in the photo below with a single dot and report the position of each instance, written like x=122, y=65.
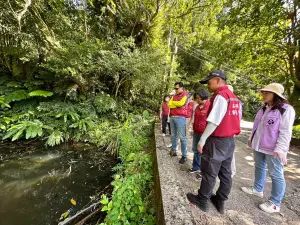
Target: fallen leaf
x=73, y=201
x=64, y=215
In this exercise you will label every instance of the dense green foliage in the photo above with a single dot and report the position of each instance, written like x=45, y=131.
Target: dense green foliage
x=74, y=50
x=132, y=198
x=76, y=70
x=296, y=132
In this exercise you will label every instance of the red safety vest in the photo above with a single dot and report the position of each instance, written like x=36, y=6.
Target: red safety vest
x=230, y=124
x=182, y=111
x=165, y=109
x=200, y=117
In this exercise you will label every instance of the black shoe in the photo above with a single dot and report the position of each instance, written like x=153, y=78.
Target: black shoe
x=199, y=176
x=219, y=204
x=194, y=199
x=182, y=160
x=172, y=153
x=192, y=170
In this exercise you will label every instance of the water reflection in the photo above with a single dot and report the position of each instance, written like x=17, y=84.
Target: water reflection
x=36, y=186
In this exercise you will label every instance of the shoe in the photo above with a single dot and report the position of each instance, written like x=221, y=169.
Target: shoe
x=163, y=135
x=252, y=191
x=269, y=207
x=199, y=176
x=194, y=199
x=182, y=160
x=193, y=171
x=219, y=204
x=172, y=153
x=169, y=146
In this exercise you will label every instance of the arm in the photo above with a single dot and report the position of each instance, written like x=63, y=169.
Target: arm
x=215, y=118
x=161, y=110
x=177, y=104
x=285, y=131
x=193, y=114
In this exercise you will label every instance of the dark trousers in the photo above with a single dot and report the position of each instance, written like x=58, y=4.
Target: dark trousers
x=164, y=124
x=216, y=161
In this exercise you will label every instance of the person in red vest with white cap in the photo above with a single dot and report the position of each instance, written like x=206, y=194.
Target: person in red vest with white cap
x=217, y=144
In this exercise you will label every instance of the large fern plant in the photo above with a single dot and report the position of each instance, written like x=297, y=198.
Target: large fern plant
x=30, y=129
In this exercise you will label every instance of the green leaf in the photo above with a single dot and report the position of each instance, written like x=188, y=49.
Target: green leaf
x=130, y=157
x=34, y=131
x=16, y=96
x=10, y=133
x=64, y=215
x=40, y=131
x=14, y=84
x=104, y=200
x=142, y=209
x=104, y=208
x=109, y=206
x=18, y=134
x=40, y=93
x=28, y=132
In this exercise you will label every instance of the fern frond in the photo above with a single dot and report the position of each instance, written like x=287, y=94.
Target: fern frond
x=40, y=93
x=17, y=95
x=55, y=138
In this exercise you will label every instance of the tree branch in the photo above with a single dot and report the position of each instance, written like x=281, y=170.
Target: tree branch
x=78, y=213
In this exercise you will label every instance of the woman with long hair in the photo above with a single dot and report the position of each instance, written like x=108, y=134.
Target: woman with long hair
x=270, y=140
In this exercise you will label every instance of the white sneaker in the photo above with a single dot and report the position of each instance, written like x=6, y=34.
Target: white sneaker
x=163, y=135
x=269, y=207
x=252, y=191
x=169, y=146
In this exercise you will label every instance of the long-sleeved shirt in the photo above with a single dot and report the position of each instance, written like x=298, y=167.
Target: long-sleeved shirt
x=285, y=132
x=177, y=104
x=215, y=117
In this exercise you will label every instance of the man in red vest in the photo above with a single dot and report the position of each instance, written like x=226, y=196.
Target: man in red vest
x=217, y=143
x=178, y=112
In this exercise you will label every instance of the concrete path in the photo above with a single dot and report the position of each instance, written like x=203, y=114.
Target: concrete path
x=240, y=208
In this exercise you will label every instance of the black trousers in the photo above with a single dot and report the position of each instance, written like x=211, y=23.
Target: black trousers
x=164, y=124
x=216, y=161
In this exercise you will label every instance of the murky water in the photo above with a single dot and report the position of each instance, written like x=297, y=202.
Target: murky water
x=37, y=184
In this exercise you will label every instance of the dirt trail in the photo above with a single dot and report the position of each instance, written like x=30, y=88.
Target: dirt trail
x=240, y=208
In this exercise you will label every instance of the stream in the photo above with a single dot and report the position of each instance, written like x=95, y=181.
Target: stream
x=38, y=183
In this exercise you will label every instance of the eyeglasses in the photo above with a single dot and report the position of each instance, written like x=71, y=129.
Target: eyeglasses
x=176, y=89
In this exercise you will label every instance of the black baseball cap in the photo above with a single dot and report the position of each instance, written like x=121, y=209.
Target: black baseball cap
x=215, y=73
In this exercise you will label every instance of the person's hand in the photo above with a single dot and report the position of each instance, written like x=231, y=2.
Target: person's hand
x=199, y=148
x=191, y=133
x=281, y=156
x=249, y=144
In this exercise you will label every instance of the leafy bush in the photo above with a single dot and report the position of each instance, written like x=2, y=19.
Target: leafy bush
x=104, y=103
x=131, y=197
x=31, y=128
x=296, y=132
